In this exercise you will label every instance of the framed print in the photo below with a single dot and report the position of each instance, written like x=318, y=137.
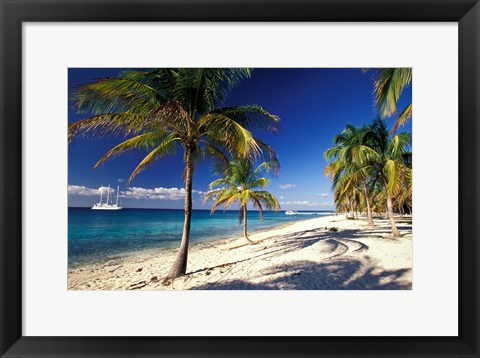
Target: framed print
x=239, y=179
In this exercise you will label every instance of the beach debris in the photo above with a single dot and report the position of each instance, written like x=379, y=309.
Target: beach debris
x=333, y=229
x=115, y=257
x=136, y=286
x=116, y=268
x=139, y=269
x=154, y=279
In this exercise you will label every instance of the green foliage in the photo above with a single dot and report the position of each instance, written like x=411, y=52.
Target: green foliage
x=367, y=166
x=241, y=184
x=388, y=87
x=160, y=109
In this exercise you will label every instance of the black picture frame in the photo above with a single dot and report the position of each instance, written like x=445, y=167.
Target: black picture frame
x=15, y=12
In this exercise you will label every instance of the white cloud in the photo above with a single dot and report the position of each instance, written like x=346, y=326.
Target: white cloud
x=298, y=202
x=84, y=191
x=323, y=195
x=281, y=197
x=120, y=180
x=286, y=186
x=154, y=194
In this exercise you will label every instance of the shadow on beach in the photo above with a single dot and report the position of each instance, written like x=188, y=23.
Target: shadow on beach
x=341, y=274
x=342, y=268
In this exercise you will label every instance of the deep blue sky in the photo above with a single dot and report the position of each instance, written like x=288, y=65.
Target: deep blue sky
x=313, y=105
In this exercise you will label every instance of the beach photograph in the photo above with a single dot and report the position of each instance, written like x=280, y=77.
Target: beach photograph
x=240, y=179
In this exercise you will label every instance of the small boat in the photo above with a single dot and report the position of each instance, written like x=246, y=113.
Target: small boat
x=107, y=205
x=291, y=212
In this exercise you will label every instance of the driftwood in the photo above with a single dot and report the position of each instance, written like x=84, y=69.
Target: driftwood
x=136, y=286
x=115, y=269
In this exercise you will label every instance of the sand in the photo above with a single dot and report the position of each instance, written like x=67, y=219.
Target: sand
x=305, y=255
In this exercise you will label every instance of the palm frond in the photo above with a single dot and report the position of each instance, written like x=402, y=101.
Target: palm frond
x=109, y=123
x=172, y=115
x=402, y=118
x=235, y=138
x=201, y=90
x=388, y=87
x=257, y=204
x=114, y=95
x=143, y=141
x=221, y=181
x=167, y=147
x=251, y=116
x=260, y=183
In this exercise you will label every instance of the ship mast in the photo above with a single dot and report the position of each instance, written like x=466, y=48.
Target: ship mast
x=108, y=194
x=118, y=189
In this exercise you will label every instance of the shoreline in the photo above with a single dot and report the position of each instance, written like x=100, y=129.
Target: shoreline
x=303, y=254
x=175, y=246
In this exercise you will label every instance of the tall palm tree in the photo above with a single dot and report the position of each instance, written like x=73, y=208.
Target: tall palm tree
x=387, y=160
x=240, y=185
x=388, y=86
x=161, y=110
x=349, y=180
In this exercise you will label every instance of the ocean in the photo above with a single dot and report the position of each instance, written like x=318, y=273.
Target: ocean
x=94, y=235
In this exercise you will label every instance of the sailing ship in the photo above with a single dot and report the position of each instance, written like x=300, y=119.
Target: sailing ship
x=107, y=205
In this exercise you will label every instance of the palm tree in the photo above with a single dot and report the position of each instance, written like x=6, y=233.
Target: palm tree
x=349, y=180
x=161, y=110
x=388, y=86
x=387, y=160
x=241, y=184
x=370, y=156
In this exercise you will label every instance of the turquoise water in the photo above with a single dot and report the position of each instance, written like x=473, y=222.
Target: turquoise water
x=95, y=234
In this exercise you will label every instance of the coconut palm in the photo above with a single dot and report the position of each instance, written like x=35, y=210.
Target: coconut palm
x=388, y=86
x=386, y=159
x=241, y=185
x=162, y=110
x=349, y=180
x=371, y=156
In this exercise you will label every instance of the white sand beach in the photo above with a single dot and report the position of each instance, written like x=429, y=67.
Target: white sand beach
x=305, y=255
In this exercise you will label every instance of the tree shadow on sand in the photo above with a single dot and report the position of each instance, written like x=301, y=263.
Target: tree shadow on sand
x=344, y=263
x=339, y=274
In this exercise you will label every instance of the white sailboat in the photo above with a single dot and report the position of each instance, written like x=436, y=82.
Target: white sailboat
x=107, y=205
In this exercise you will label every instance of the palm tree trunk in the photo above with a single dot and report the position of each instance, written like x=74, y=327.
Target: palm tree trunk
x=245, y=224
x=395, y=231
x=179, y=267
x=369, y=211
